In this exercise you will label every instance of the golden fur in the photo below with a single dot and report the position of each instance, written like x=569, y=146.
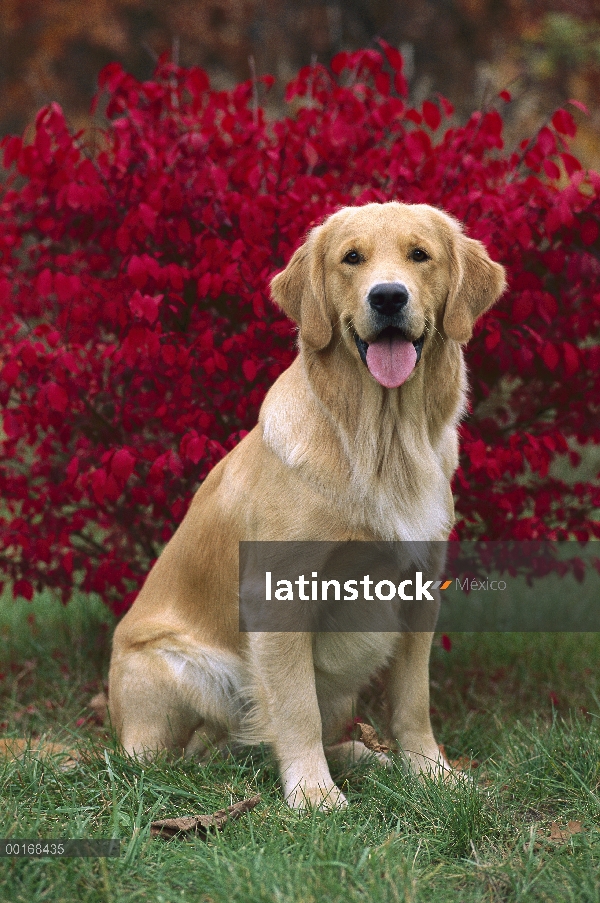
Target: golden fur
x=334, y=456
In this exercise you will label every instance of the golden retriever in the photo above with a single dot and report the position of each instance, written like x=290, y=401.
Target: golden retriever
x=357, y=440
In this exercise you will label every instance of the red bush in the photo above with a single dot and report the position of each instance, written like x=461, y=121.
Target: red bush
x=138, y=339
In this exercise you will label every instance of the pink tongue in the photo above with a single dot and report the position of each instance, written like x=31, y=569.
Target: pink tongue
x=391, y=360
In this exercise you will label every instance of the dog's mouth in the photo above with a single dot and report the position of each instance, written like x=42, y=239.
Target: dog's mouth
x=391, y=357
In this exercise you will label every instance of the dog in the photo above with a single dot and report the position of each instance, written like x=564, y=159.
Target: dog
x=356, y=440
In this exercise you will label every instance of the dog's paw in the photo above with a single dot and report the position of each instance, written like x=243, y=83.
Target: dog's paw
x=304, y=797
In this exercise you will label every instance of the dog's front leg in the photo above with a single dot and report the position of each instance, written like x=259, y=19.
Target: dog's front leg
x=408, y=695
x=282, y=664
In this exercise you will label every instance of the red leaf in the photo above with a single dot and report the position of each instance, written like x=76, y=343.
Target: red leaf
x=580, y=106
x=169, y=354
x=57, y=397
x=414, y=116
x=145, y=306
x=23, y=588
x=12, y=148
x=5, y=290
x=10, y=372
x=546, y=141
x=522, y=307
x=250, y=369
x=339, y=62
x=72, y=468
x=98, y=482
x=112, y=490
x=571, y=359
x=571, y=163
x=195, y=449
x=564, y=123
x=550, y=356
x=400, y=84
x=418, y=145
x=492, y=123
x=431, y=115
x=446, y=642
x=492, y=339
x=477, y=453
x=122, y=464
x=383, y=83
x=393, y=56
x=67, y=287
x=446, y=105
x=147, y=216
x=11, y=425
x=137, y=272
x=44, y=283
x=551, y=169
x=589, y=232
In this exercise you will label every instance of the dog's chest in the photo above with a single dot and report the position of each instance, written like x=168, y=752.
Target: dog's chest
x=350, y=659
x=392, y=514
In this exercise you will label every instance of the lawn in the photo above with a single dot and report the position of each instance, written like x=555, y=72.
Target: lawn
x=525, y=707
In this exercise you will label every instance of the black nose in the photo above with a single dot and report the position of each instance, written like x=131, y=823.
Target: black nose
x=388, y=298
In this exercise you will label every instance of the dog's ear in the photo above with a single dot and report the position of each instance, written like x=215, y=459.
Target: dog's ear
x=477, y=283
x=300, y=292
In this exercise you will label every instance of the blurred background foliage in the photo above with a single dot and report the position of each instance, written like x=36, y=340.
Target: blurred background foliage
x=543, y=51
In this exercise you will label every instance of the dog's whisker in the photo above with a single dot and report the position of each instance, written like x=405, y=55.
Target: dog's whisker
x=348, y=329
x=434, y=330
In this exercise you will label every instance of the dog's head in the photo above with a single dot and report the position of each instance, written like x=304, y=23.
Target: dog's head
x=385, y=279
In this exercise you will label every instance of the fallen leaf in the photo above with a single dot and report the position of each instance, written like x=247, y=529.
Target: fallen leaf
x=558, y=836
x=563, y=835
x=369, y=738
x=99, y=706
x=199, y=824
x=16, y=747
x=463, y=763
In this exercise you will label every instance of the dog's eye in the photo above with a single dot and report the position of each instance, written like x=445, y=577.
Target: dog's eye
x=419, y=255
x=352, y=257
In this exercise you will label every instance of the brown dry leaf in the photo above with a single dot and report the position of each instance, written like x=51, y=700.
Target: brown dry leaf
x=463, y=763
x=369, y=738
x=199, y=824
x=558, y=836
x=99, y=706
x=563, y=835
x=16, y=747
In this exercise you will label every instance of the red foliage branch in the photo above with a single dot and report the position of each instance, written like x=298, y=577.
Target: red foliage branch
x=138, y=339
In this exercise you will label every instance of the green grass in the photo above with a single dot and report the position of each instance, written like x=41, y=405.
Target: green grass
x=524, y=706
